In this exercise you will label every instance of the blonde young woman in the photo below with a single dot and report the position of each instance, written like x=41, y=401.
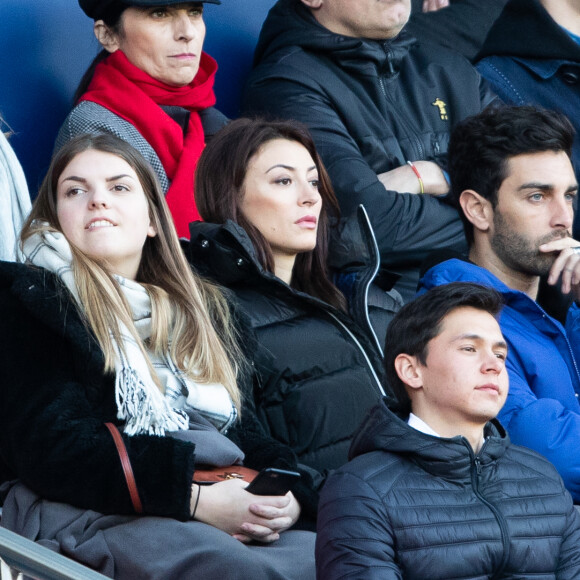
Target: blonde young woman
x=106, y=323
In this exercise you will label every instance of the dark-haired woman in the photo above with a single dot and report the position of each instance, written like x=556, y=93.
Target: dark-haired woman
x=151, y=85
x=267, y=204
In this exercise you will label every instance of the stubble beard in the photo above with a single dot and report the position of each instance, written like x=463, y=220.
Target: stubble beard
x=519, y=252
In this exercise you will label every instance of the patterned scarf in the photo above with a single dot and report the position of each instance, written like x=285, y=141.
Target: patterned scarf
x=135, y=96
x=139, y=401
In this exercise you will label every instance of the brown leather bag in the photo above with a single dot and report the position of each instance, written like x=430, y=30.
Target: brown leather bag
x=208, y=474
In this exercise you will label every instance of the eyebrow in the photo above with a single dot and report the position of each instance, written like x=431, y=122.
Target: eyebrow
x=108, y=179
x=288, y=167
x=499, y=343
x=545, y=187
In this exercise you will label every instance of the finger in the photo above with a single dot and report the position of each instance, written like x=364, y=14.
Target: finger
x=266, y=511
x=560, y=266
x=242, y=538
x=559, y=244
x=567, y=267
x=258, y=532
x=276, y=501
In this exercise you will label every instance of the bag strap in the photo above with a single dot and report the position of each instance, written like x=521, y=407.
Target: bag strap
x=127, y=469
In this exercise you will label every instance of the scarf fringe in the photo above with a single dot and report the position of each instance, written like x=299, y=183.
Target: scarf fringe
x=144, y=411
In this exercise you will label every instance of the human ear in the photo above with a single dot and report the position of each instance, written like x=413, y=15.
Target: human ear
x=152, y=231
x=477, y=209
x=106, y=37
x=313, y=4
x=409, y=371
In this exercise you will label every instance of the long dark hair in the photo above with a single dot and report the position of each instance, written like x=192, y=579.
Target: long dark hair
x=219, y=179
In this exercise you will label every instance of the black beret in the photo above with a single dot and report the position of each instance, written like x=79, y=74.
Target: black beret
x=97, y=9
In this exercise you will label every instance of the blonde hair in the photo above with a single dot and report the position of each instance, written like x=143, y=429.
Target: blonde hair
x=190, y=316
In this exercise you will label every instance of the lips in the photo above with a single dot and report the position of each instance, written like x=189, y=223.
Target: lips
x=184, y=56
x=489, y=387
x=308, y=219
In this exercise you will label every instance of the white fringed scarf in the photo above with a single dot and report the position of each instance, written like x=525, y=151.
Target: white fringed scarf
x=139, y=401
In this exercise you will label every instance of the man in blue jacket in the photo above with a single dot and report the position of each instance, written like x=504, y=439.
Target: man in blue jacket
x=436, y=490
x=512, y=177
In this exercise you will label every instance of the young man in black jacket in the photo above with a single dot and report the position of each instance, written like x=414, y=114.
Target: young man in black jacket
x=374, y=99
x=435, y=489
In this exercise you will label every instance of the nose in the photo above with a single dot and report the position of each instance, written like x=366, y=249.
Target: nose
x=492, y=364
x=562, y=212
x=183, y=27
x=309, y=194
x=99, y=199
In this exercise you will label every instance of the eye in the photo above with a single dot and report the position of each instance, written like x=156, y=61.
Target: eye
x=536, y=196
x=73, y=192
x=315, y=183
x=158, y=12
x=196, y=11
x=283, y=181
x=501, y=355
x=571, y=196
x=468, y=348
x=120, y=187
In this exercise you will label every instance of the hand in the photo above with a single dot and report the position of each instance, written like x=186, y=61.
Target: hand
x=228, y=506
x=290, y=512
x=403, y=179
x=434, y=5
x=566, y=265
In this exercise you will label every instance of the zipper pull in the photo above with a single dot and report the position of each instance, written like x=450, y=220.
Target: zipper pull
x=477, y=466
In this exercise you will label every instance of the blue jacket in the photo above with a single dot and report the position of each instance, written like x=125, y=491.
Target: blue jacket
x=542, y=410
x=543, y=72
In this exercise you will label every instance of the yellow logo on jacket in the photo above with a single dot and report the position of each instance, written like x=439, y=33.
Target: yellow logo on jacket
x=442, y=106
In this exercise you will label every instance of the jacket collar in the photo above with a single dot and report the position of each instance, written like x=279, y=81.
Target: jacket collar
x=383, y=430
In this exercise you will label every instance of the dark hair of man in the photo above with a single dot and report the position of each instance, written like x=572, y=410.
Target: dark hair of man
x=219, y=179
x=481, y=146
x=419, y=321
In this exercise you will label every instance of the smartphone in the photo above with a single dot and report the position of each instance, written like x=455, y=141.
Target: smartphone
x=272, y=481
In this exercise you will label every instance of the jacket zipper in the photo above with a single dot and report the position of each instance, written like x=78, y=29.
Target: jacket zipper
x=355, y=340
x=410, y=132
x=569, y=349
x=371, y=278
x=475, y=473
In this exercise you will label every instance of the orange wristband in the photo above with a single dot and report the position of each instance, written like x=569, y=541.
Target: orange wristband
x=416, y=172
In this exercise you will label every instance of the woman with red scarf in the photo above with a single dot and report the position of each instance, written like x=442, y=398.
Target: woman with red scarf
x=151, y=85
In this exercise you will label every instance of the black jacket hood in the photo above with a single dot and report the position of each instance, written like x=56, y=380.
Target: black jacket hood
x=384, y=430
x=525, y=29
x=290, y=24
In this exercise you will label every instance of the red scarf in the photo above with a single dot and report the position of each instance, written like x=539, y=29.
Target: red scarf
x=134, y=96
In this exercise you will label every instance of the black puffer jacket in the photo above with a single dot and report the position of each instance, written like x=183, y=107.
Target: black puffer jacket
x=319, y=372
x=370, y=106
x=415, y=506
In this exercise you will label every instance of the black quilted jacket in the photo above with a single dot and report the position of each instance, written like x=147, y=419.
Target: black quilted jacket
x=418, y=507
x=319, y=372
